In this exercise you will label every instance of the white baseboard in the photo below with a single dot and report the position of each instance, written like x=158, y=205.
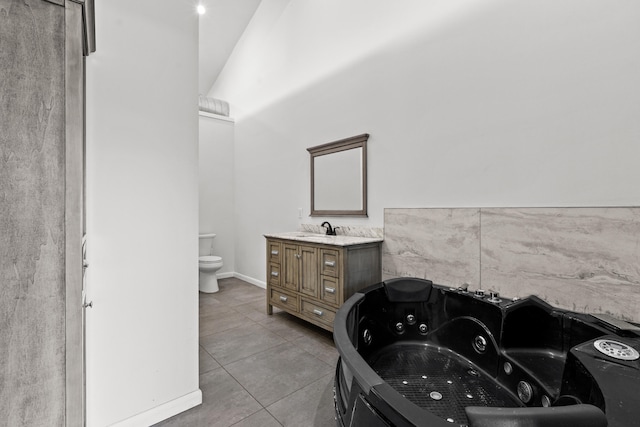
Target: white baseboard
x=258, y=283
x=162, y=412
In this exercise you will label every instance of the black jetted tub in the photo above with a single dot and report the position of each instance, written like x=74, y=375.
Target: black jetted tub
x=413, y=353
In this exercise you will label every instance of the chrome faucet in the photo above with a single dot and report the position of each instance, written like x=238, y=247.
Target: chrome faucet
x=330, y=231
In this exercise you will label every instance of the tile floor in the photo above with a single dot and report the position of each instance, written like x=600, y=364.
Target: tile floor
x=259, y=370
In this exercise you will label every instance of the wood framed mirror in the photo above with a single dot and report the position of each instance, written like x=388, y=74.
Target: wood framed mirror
x=339, y=177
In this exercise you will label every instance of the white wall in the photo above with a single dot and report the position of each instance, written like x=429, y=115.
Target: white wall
x=142, y=213
x=468, y=103
x=216, y=188
x=219, y=30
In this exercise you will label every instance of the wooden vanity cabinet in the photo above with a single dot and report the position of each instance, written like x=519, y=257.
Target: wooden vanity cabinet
x=312, y=281
x=300, y=267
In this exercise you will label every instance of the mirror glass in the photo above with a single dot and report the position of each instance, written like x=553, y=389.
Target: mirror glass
x=338, y=178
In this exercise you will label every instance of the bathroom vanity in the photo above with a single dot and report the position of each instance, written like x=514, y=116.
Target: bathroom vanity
x=310, y=275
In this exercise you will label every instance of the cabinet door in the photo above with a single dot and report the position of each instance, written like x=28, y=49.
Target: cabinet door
x=291, y=267
x=309, y=271
x=273, y=251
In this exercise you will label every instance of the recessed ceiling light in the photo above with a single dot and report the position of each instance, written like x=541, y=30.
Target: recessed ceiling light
x=201, y=9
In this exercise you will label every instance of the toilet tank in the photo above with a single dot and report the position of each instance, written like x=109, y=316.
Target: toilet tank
x=205, y=244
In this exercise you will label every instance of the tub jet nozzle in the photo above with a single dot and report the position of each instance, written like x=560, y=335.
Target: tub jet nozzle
x=411, y=319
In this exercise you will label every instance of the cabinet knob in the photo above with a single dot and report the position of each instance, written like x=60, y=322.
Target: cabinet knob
x=283, y=299
x=298, y=256
x=330, y=290
x=274, y=252
x=318, y=312
x=274, y=273
x=330, y=263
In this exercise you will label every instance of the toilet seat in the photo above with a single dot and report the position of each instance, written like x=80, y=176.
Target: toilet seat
x=209, y=263
x=209, y=259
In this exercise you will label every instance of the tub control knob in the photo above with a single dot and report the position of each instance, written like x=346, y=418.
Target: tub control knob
x=423, y=328
x=494, y=297
x=411, y=319
x=399, y=327
x=479, y=292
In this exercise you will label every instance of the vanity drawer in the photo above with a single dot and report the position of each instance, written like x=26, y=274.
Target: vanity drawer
x=330, y=290
x=274, y=251
x=317, y=312
x=283, y=300
x=274, y=274
x=329, y=262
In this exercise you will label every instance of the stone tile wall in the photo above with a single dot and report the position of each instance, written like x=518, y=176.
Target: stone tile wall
x=442, y=245
x=581, y=259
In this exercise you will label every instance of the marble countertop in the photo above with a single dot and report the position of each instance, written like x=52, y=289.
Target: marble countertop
x=340, y=240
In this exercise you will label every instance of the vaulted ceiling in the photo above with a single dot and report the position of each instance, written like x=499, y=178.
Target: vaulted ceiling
x=220, y=28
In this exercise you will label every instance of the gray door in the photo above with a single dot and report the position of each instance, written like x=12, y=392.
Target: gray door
x=41, y=212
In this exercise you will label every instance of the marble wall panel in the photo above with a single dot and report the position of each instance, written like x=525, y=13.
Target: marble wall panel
x=442, y=245
x=582, y=259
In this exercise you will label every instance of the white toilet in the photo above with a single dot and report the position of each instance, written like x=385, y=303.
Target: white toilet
x=208, y=264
